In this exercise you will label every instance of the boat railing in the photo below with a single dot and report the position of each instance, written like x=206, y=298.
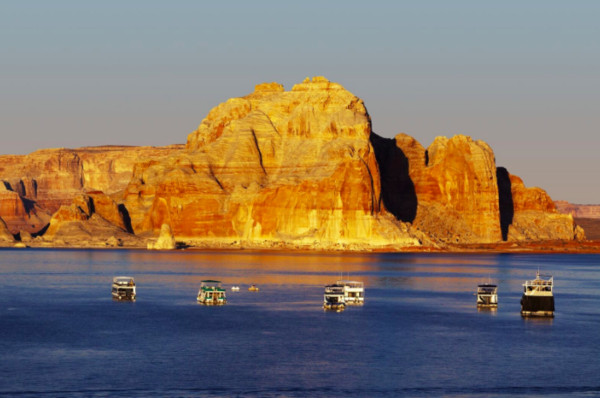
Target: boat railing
x=351, y=284
x=334, y=289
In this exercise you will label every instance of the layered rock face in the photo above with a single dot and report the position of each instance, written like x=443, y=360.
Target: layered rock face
x=454, y=193
x=91, y=220
x=20, y=213
x=455, y=188
x=578, y=211
x=275, y=167
x=536, y=218
x=34, y=186
x=5, y=235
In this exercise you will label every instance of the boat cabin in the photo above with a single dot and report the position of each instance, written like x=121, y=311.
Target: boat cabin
x=354, y=291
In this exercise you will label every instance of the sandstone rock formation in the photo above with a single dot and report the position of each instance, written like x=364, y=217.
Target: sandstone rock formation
x=34, y=186
x=577, y=210
x=165, y=241
x=277, y=169
x=91, y=220
x=5, y=235
x=273, y=168
x=536, y=218
x=20, y=213
x=455, y=194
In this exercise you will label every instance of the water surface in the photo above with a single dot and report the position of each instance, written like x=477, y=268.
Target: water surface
x=418, y=334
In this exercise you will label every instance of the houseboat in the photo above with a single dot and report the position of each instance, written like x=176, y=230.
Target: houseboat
x=487, y=296
x=354, y=291
x=333, y=298
x=211, y=293
x=538, y=297
x=123, y=288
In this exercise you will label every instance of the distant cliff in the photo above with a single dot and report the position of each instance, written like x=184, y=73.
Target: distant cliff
x=578, y=211
x=278, y=169
x=35, y=186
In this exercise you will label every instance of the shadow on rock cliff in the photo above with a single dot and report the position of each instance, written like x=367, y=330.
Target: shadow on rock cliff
x=397, y=188
x=126, y=218
x=505, y=200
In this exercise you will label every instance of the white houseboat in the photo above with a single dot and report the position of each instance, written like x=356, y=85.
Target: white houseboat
x=538, y=296
x=333, y=298
x=354, y=291
x=487, y=295
x=123, y=288
x=211, y=293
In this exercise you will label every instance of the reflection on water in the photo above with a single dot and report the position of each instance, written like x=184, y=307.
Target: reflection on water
x=419, y=332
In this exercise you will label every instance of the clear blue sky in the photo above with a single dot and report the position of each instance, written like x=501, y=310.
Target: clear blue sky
x=523, y=76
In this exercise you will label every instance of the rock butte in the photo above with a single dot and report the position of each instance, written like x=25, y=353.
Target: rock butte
x=279, y=169
x=274, y=167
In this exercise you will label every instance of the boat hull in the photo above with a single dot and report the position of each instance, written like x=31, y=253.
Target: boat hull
x=123, y=297
x=212, y=302
x=123, y=294
x=487, y=301
x=534, y=306
x=334, y=307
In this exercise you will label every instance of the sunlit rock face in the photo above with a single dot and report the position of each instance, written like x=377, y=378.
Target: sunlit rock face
x=34, y=186
x=455, y=188
x=91, y=220
x=5, y=235
x=536, y=218
x=165, y=241
x=20, y=213
x=53, y=177
x=273, y=167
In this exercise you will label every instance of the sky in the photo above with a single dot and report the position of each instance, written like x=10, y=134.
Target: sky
x=524, y=76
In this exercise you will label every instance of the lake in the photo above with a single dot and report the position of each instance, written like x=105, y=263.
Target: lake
x=418, y=334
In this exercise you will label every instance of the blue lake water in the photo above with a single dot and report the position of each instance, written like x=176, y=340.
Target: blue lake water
x=418, y=334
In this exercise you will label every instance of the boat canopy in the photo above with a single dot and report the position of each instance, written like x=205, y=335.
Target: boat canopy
x=123, y=280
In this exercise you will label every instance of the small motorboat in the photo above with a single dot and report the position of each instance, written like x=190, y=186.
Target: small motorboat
x=235, y=288
x=253, y=288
